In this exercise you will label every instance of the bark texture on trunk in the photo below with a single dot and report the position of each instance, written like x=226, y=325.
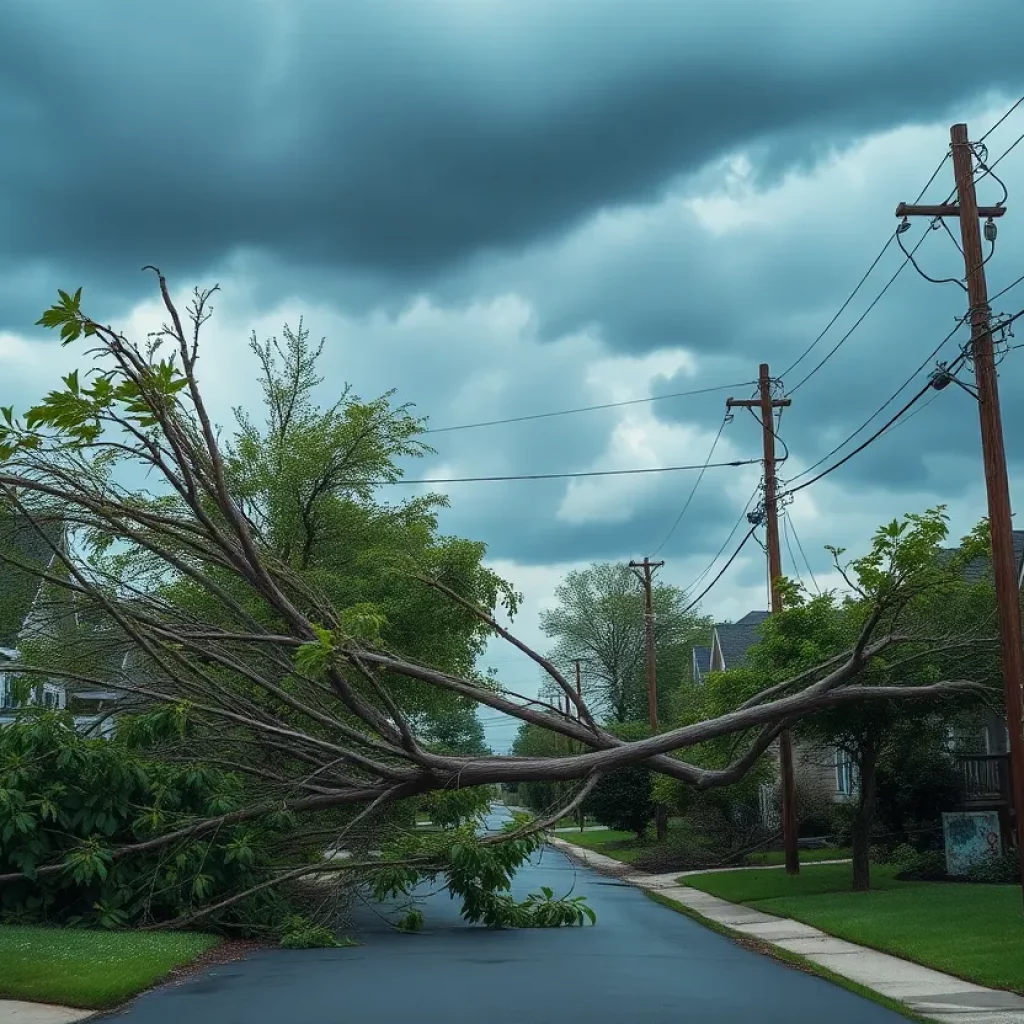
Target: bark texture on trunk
x=867, y=764
x=661, y=822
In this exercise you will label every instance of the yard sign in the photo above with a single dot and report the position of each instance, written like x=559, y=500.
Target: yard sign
x=971, y=838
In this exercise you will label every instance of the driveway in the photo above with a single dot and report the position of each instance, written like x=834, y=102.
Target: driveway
x=642, y=962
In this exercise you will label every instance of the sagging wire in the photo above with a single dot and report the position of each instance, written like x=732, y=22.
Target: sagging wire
x=693, y=490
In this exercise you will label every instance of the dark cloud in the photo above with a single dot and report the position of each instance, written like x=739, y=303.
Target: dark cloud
x=359, y=156
x=401, y=138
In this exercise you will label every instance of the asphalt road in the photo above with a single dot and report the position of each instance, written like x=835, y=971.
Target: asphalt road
x=641, y=962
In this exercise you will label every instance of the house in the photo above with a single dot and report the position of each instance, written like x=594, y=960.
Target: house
x=828, y=773
x=29, y=607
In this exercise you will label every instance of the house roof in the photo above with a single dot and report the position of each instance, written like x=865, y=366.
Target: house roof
x=702, y=658
x=21, y=542
x=976, y=570
x=736, y=638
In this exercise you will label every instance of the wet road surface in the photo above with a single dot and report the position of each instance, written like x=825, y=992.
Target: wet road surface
x=641, y=964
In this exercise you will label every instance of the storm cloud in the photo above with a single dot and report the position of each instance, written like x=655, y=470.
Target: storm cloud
x=503, y=209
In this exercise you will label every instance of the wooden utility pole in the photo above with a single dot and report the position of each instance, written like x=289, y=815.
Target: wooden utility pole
x=1004, y=565
x=581, y=814
x=579, y=690
x=646, y=577
x=767, y=405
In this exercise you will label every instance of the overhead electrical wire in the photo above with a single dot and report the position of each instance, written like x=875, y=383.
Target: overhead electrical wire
x=877, y=434
x=874, y=263
x=590, y=408
x=1002, y=119
x=696, y=583
x=693, y=490
x=553, y=476
x=721, y=572
x=789, y=548
x=874, y=302
x=800, y=547
x=842, y=444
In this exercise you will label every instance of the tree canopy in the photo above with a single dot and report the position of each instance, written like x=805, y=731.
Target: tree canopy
x=907, y=586
x=598, y=619
x=315, y=685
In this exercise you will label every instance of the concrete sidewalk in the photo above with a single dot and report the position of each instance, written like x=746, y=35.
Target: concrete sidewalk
x=928, y=993
x=14, y=1011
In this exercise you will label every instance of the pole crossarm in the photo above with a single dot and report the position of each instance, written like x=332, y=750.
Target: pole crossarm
x=757, y=403
x=945, y=210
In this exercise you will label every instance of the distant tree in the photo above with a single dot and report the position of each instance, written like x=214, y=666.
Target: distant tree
x=599, y=620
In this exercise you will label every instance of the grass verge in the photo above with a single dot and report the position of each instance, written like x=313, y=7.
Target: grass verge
x=622, y=846
x=975, y=932
x=806, y=856
x=790, y=959
x=93, y=970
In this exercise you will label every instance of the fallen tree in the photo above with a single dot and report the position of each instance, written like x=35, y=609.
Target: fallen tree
x=269, y=677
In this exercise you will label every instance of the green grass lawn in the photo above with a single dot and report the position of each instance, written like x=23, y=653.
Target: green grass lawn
x=806, y=856
x=622, y=846
x=89, y=969
x=975, y=932
x=572, y=823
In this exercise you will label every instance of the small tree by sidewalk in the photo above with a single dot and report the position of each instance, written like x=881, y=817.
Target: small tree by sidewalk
x=905, y=587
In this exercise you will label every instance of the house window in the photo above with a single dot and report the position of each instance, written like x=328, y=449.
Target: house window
x=50, y=699
x=844, y=773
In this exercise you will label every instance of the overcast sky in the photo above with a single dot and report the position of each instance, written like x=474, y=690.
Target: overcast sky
x=509, y=207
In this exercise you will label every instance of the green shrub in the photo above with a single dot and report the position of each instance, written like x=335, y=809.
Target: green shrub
x=927, y=865
x=70, y=800
x=623, y=800
x=996, y=870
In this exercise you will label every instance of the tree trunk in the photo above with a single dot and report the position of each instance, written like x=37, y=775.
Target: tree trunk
x=867, y=764
x=661, y=822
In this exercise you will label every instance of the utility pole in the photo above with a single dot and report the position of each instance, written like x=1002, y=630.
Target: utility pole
x=767, y=405
x=646, y=578
x=1004, y=566
x=581, y=814
x=579, y=690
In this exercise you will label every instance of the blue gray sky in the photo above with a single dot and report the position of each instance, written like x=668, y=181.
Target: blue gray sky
x=508, y=207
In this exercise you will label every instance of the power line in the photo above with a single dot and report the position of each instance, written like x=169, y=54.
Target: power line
x=792, y=557
x=857, y=288
x=1006, y=152
x=693, y=490
x=552, y=476
x=796, y=537
x=1013, y=284
x=877, y=434
x=725, y=543
x=874, y=263
x=874, y=302
x=842, y=444
x=721, y=572
x=588, y=408
x=1002, y=119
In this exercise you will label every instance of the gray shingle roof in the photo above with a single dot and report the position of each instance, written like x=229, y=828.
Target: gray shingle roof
x=736, y=638
x=701, y=661
x=977, y=570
